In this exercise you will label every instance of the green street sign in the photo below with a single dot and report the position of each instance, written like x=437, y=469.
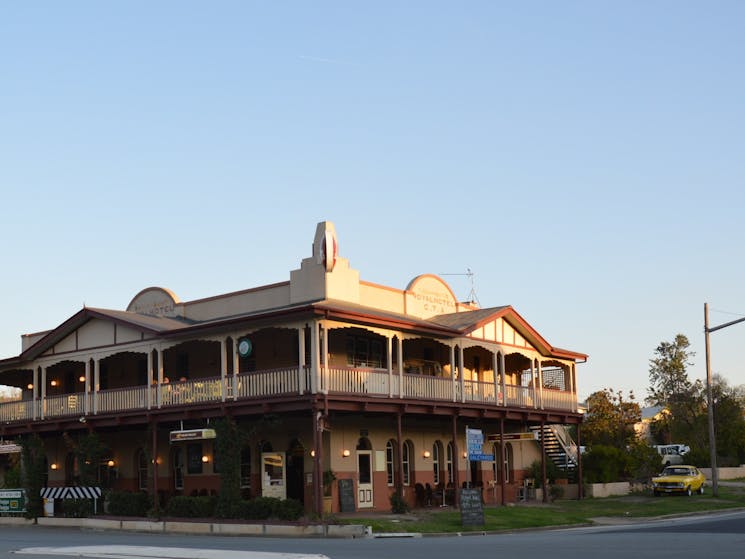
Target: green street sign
x=12, y=500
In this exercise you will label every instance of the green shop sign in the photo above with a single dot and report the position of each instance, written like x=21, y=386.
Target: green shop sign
x=12, y=500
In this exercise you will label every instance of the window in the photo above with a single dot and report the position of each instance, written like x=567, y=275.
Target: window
x=390, y=461
x=436, y=462
x=178, y=468
x=449, y=462
x=364, y=352
x=194, y=458
x=141, y=471
x=407, y=452
x=508, y=461
x=245, y=467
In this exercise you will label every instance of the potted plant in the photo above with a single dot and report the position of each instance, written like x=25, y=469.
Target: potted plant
x=328, y=485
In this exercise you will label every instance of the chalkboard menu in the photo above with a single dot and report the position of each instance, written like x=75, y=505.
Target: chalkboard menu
x=346, y=495
x=471, y=509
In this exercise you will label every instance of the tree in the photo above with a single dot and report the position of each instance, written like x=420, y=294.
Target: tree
x=729, y=422
x=610, y=419
x=668, y=375
x=228, y=445
x=34, y=469
x=670, y=388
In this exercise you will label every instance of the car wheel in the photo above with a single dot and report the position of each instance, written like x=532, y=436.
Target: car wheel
x=688, y=491
x=701, y=490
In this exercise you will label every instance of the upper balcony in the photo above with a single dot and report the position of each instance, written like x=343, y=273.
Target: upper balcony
x=283, y=382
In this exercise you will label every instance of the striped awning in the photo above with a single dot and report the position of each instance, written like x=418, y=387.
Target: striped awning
x=70, y=492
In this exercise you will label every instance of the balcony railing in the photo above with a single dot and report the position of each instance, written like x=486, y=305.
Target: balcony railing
x=378, y=383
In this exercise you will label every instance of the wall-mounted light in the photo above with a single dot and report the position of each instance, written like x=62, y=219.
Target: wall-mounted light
x=426, y=454
x=157, y=461
x=465, y=454
x=54, y=465
x=111, y=463
x=346, y=453
x=313, y=453
x=30, y=387
x=205, y=459
x=81, y=378
x=54, y=382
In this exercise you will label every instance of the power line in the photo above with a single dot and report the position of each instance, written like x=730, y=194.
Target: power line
x=728, y=312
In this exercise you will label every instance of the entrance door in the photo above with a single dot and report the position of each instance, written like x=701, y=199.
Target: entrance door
x=364, y=479
x=273, y=475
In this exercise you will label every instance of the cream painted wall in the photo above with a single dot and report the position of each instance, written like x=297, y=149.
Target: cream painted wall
x=67, y=344
x=124, y=335
x=382, y=298
x=95, y=333
x=242, y=302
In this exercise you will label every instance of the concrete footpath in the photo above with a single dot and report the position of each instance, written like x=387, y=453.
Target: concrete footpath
x=186, y=527
x=149, y=552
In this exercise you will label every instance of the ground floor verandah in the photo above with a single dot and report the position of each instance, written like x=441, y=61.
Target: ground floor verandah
x=310, y=449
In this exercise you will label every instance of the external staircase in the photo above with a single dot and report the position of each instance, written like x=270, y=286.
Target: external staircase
x=560, y=448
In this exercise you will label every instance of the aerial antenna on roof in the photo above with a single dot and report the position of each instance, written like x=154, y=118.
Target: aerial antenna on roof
x=472, y=298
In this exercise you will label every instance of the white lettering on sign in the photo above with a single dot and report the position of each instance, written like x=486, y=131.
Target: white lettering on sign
x=154, y=301
x=160, y=308
x=428, y=296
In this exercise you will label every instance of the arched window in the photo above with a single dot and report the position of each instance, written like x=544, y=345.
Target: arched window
x=178, y=468
x=245, y=467
x=449, y=462
x=407, y=452
x=141, y=470
x=390, y=462
x=436, y=461
x=508, y=462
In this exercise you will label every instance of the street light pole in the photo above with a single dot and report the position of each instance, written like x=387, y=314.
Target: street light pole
x=710, y=398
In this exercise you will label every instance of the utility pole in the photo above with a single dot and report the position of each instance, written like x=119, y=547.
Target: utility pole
x=710, y=399
x=710, y=409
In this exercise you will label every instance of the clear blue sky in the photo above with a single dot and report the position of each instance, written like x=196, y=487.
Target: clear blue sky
x=584, y=159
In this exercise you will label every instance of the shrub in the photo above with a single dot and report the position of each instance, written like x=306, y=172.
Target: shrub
x=123, y=503
x=699, y=457
x=77, y=508
x=535, y=471
x=643, y=462
x=604, y=464
x=13, y=477
x=191, y=507
x=555, y=492
x=289, y=509
x=229, y=508
x=398, y=503
x=260, y=508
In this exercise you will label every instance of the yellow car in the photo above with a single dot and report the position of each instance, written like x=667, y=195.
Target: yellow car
x=679, y=479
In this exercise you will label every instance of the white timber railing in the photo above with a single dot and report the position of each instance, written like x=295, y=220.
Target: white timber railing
x=367, y=382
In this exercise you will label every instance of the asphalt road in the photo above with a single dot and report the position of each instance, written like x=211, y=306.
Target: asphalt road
x=708, y=537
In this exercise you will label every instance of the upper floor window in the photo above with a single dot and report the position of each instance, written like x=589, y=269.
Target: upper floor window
x=365, y=352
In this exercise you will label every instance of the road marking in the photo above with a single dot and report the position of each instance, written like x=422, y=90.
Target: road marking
x=149, y=552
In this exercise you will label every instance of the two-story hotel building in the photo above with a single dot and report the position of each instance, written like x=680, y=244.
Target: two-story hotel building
x=324, y=372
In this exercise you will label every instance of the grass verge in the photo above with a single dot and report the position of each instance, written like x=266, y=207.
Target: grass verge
x=559, y=513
